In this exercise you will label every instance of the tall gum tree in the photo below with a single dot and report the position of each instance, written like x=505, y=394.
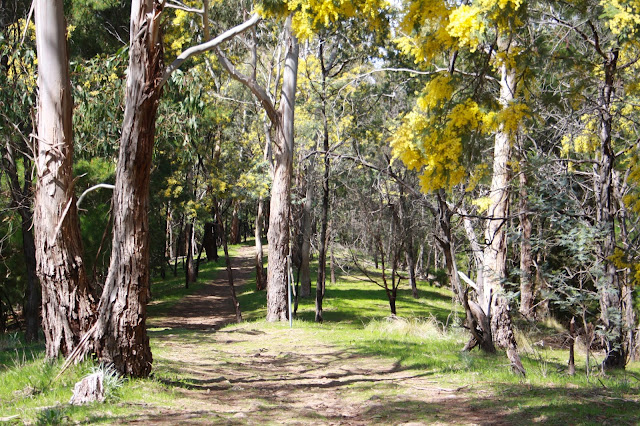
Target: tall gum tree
x=120, y=331
x=67, y=309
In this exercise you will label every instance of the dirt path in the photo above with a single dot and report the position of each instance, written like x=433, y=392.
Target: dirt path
x=210, y=307
x=250, y=374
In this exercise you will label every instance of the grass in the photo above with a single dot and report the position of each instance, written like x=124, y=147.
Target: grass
x=423, y=343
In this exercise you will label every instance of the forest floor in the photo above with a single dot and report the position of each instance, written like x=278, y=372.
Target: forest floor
x=249, y=375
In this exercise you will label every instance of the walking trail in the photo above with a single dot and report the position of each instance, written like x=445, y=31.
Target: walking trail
x=273, y=375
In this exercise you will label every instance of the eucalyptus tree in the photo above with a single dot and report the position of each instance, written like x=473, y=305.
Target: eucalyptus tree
x=67, y=305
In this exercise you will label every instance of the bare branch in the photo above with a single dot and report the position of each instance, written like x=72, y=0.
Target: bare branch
x=208, y=45
x=251, y=84
x=93, y=188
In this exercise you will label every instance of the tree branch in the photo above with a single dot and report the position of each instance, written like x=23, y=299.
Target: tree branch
x=251, y=84
x=208, y=45
x=93, y=188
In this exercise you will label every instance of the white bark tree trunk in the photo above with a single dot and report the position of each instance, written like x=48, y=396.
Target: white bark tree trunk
x=66, y=303
x=495, y=251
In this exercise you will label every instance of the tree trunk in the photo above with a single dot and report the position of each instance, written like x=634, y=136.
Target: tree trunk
x=190, y=270
x=225, y=246
x=279, y=212
x=209, y=242
x=261, y=281
x=527, y=289
x=609, y=286
x=67, y=308
x=324, y=218
x=305, y=273
x=495, y=252
x=120, y=335
x=235, y=224
x=405, y=221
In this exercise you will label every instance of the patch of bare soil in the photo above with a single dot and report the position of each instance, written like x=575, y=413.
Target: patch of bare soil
x=243, y=375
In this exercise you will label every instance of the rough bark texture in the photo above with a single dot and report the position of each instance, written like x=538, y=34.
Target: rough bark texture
x=89, y=389
x=120, y=332
x=280, y=207
x=66, y=303
x=610, y=286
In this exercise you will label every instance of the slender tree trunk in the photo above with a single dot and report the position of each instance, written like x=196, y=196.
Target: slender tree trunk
x=235, y=224
x=168, y=240
x=190, y=270
x=609, y=286
x=305, y=273
x=408, y=242
x=120, y=335
x=324, y=218
x=572, y=344
x=279, y=212
x=261, y=279
x=227, y=258
x=332, y=262
x=527, y=288
x=67, y=308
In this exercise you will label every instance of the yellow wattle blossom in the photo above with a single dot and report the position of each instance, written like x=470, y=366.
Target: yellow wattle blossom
x=482, y=203
x=511, y=117
x=466, y=25
x=436, y=91
x=626, y=15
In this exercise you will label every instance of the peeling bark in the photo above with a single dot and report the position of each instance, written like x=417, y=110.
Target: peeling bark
x=120, y=335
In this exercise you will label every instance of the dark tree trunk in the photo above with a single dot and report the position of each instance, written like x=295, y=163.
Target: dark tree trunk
x=304, y=271
x=67, y=308
x=324, y=218
x=610, y=288
x=209, y=242
x=120, y=335
x=572, y=344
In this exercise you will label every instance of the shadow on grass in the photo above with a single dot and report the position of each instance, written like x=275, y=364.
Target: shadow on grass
x=549, y=405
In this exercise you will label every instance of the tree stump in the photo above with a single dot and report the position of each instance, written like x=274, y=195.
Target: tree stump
x=89, y=389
